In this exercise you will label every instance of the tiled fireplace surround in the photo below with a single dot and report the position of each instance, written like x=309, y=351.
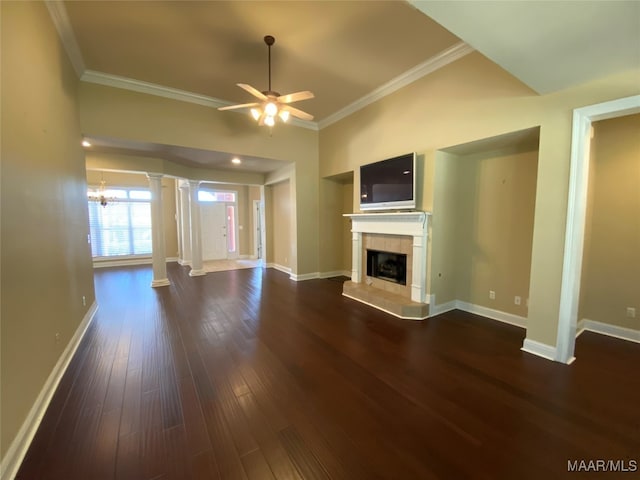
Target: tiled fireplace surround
x=397, y=232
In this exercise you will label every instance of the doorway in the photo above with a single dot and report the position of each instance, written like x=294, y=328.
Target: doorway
x=214, y=231
x=576, y=216
x=219, y=224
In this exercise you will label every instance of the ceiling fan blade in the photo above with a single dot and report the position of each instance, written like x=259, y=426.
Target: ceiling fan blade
x=253, y=91
x=243, y=105
x=298, y=113
x=295, y=97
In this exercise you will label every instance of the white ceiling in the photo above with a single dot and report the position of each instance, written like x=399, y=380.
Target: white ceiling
x=347, y=52
x=548, y=45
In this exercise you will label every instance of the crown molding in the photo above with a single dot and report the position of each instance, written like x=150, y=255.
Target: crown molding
x=58, y=14
x=125, y=83
x=116, y=81
x=60, y=19
x=434, y=63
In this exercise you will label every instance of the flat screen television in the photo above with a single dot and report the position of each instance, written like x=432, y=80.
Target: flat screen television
x=389, y=184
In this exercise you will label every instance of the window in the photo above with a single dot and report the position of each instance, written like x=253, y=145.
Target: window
x=218, y=196
x=123, y=227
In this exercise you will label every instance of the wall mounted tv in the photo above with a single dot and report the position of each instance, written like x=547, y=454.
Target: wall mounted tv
x=389, y=184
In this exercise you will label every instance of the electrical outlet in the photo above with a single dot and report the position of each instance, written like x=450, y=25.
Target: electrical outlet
x=84, y=301
x=631, y=312
x=492, y=295
x=57, y=337
x=517, y=300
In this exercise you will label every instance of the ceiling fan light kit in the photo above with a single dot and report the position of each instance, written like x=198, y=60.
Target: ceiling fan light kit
x=272, y=105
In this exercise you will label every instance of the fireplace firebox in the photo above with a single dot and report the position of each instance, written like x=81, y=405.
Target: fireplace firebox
x=387, y=266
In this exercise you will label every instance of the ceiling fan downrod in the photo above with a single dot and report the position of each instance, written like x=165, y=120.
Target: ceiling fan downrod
x=269, y=40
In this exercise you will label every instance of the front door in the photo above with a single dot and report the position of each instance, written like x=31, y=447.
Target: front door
x=214, y=231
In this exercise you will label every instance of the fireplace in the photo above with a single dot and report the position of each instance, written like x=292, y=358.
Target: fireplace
x=395, y=280
x=388, y=266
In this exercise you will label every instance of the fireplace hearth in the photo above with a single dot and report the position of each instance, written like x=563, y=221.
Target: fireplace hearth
x=388, y=266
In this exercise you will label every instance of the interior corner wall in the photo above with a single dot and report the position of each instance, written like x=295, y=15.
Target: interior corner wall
x=468, y=100
x=347, y=238
x=45, y=257
x=278, y=220
x=331, y=222
x=305, y=246
x=443, y=225
x=611, y=259
x=494, y=228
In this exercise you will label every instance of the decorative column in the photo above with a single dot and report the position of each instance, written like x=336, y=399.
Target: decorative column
x=185, y=224
x=196, y=233
x=159, y=259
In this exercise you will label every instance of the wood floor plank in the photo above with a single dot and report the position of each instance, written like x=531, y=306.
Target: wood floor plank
x=128, y=463
x=256, y=467
x=270, y=445
x=204, y=466
x=246, y=374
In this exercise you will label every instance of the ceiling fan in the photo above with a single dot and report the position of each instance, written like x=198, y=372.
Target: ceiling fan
x=271, y=103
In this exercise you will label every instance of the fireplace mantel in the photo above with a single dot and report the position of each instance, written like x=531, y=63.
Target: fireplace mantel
x=393, y=223
x=413, y=224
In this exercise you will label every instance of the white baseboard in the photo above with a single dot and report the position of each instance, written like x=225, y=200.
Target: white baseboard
x=336, y=273
x=313, y=275
x=608, y=329
x=280, y=268
x=304, y=276
x=501, y=316
x=442, y=308
x=540, y=349
x=184, y=262
x=505, y=317
x=18, y=448
x=125, y=262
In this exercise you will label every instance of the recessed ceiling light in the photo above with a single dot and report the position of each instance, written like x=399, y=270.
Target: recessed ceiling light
x=86, y=143
x=236, y=161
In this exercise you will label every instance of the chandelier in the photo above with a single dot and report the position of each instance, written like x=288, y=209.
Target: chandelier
x=101, y=194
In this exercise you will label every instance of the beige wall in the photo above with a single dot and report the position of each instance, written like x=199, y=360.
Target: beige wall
x=494, y=228
x=347, y=243
x=612, y=241
x=443, y=229
x=336, y=199
x=121, y=179
x=137, y=164
x=468, y=100
x=46, y=260
x=122, y=114
x=278, y=220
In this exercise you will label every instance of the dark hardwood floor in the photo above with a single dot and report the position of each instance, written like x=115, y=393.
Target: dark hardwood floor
x=248, y=375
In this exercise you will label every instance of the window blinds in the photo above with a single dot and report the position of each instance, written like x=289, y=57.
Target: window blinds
x=123, y=227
